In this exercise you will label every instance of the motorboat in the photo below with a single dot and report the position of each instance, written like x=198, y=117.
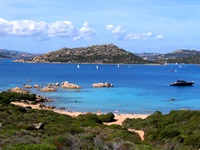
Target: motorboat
x=182, y=83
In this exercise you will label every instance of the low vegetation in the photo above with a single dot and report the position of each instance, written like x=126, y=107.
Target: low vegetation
x=8, y=97
x=176, y=130
x=186, y=60
x=57, y=131
x=31, y=129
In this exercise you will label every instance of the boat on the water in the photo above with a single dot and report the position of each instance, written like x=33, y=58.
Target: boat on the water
x=182, y=83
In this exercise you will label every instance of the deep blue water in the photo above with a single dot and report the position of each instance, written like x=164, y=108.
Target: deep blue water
x=137, y=88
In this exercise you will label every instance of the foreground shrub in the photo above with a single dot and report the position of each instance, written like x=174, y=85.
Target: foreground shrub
x=193, y=140
x=109, y=117
x=180, y=128
x=169, y=133
x=8, y=97
x=88, y=119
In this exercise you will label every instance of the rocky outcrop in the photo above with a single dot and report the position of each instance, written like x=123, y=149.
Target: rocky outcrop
x=68, y=85
x=27, y=86
x=20, y=60
x=42, y=99
x=36, y=86
x=48, y=89
x=102, y=84
x=19, y=90
x=53, y=85
x=38, y=126
x=42, y=106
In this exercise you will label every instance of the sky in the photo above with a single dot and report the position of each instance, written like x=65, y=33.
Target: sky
x=41, y=26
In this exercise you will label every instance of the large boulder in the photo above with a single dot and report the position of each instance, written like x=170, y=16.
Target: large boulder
x=68, y=85
x=39, y=126
x=40, y=99
x=36, y=86
x=27, y=86
x=19, y=90
x=48, y=89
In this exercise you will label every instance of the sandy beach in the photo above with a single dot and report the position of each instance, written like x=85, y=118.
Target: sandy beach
x=118, y=117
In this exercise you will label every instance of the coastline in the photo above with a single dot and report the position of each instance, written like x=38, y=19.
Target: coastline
x=118, y=117
x=83, y=63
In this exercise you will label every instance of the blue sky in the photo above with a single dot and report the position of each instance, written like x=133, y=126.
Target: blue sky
x=41, y=26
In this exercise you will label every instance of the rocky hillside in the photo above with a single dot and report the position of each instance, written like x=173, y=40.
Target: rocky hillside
x=4, y=53
x=195, y=59
x=179, y=56
x=108, y=53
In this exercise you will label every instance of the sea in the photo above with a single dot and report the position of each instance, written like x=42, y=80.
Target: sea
x=138, y=89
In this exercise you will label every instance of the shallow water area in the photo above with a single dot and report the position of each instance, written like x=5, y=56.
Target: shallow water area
x=139, y=89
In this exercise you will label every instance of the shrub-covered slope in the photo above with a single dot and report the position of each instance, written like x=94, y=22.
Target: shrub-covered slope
x=31, y=129
x=176, y=130
x=107, y=53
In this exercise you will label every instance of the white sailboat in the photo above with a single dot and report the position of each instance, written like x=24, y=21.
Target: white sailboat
x=97, y=67
x=78, y=66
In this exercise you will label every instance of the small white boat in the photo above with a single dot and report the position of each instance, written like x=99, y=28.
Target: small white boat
x=78, y=66
x=97, y=67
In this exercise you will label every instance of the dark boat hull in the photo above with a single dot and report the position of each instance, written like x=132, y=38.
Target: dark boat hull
x=182, y=84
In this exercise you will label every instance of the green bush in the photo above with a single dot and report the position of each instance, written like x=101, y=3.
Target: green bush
x=8, y=97
x=109, y=117
x=177, y=127
x=87, y=137
x=114, y=126
x=88, y=119
x=193, y=140
x=169, y=133
x=128, y=136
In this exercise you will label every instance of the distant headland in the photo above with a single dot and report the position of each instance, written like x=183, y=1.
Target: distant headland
x=104, y=54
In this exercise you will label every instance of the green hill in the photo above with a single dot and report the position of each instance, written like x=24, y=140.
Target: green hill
x=179, y=56
x=108, y=53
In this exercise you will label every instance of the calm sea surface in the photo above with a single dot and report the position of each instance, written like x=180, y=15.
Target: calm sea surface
x=137, y=88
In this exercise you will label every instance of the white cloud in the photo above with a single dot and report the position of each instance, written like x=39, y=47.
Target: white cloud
x=159, y=37
x=118, y=32
x=61, y=29
x=121, y=34
x=85, y=32
x=44, y=30
x=138, y=36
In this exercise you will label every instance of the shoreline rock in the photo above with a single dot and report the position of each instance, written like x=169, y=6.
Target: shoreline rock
x=19, y=90
x=36, y=86
x=102, y=84
x=27, y=86
x=48, y=89
x=68, y=85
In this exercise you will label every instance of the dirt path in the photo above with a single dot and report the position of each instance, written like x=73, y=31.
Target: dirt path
x=140, y=132
x=121, y=118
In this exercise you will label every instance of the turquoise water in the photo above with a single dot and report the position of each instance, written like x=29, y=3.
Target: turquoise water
x=137, y=88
